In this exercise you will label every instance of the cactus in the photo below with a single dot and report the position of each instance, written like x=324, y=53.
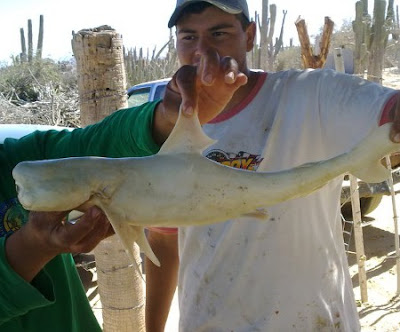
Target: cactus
x=371, y=36
x=141, y=68
x=30, y=42
x=24, y=56
x=23, y=45
x=39, y=47
x=265, y=54
x=361, y=28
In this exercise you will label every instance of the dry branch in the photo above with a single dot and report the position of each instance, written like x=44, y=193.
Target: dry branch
x=310, y=60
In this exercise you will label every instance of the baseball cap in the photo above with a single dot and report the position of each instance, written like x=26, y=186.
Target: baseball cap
x=229, y=6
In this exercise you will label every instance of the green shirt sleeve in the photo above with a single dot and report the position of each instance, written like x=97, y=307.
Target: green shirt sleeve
x=17, y=296
x=125, y=133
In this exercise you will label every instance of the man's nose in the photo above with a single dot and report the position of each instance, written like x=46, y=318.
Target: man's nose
x=202, y=47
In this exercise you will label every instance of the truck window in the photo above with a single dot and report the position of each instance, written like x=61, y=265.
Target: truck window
x=139, y=97
x=160, y=91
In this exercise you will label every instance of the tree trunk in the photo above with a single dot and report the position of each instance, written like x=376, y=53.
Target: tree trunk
x=102, y=83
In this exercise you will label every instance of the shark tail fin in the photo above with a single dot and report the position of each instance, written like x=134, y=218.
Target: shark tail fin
x=375, y=172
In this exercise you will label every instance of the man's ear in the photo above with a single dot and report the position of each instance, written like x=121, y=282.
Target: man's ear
x=251, y=35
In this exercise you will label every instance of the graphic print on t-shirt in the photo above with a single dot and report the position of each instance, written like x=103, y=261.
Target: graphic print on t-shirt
x=242, y=160
x=12, y=216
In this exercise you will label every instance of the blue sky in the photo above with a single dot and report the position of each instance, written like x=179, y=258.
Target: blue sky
x=141, y=23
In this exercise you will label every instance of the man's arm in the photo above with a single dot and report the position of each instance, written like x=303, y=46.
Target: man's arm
x=161, y=281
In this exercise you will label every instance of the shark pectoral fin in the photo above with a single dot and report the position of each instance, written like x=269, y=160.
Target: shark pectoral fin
x=373, y=173
x=145, y=246
x=128, y=236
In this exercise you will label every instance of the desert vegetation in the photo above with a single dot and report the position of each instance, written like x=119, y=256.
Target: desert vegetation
x=44, y=91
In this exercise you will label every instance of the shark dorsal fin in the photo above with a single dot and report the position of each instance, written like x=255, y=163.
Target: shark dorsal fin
x=186, y=136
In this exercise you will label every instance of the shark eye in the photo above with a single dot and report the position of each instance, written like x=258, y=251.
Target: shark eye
x=17, y=188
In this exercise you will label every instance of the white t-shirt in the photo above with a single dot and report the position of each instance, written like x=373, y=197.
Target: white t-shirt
x=288, y=272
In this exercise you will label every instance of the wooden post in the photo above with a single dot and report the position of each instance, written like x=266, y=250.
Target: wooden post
x=101, y=72
x=355, y=206
x=102, y=84
x=396, y=224
x=358, y=238
x=339, y=61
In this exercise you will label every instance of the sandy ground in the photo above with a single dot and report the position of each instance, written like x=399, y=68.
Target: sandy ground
x=382, y=310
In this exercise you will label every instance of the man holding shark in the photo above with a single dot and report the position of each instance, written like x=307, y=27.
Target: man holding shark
x=240, y=276
x=41, y=287
x=288, y=272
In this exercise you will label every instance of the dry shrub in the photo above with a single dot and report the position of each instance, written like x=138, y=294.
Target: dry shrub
x=289, y=58
x=41, y=92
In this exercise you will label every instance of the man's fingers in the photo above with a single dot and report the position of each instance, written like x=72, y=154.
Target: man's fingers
x=205, y=87
x=186, y=80
x=100, y=231
x=46, y=221
x=72, y=234
x=230, y=69
x=209, y=67
x=241, y=79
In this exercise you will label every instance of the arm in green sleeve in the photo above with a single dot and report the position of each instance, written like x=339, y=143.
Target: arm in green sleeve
x=125, y=133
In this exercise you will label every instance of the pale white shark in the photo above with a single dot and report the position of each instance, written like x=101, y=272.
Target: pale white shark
x=180, y=187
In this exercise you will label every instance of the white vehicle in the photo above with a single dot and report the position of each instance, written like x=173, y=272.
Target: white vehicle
x=20, y=130
x=148, y=91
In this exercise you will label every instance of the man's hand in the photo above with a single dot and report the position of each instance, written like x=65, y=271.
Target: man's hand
x=207, y=87
x=46, y=235
x=59, y=236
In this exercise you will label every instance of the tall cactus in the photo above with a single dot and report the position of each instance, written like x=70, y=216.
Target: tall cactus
x=23, y=45
x=30, y=41
x=371, y=37
x=268, y=50
x=39, y=47
x=24, y=56
x=361, y=28
x=379, y=31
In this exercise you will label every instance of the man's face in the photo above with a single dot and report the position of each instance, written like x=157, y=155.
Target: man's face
x=213, y=29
